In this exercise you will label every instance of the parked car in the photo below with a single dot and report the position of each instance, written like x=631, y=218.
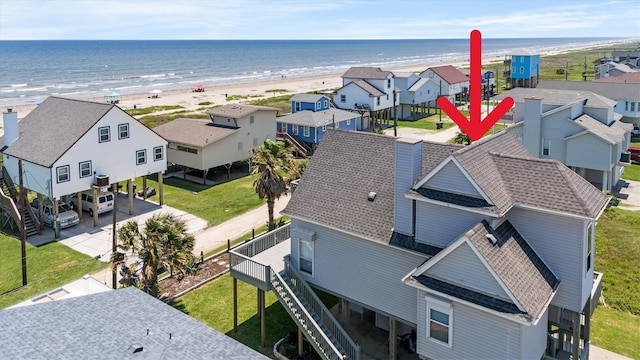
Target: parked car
x=636, y=130
x=635, y=154
x=150, y=191
x=105, y=202
x=66, y=216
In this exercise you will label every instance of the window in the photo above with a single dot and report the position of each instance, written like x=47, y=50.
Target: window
x=318, y=104
x=324, y=128
x=251, y=119
x=343, y=98
x=388, y=83
x=123, y=131
x=521, y=59
x=295, y=129
x=626, y=106
x=378, y=100
x=104, y=134
x=337, y=125
x=63, y=173
x=306, y=130
x=158, y=153
x=431, y=74
x=633, y=106
x=439, y=322
x=521, y=69
x=187, y=149
x=85, y=168
x=297, y=106
x=306, y=256
x=326, y=104
x=348, y=121
x=141, y=157
x=590, y=233
x=546, y=145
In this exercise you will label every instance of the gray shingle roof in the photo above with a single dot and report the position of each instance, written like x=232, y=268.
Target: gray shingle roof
x=236, y=111
x=318, y=118
x=558, y=96
x=628, y=78
x=613, y=134
x=521, y=270
x=105, y=325
x=309, y=98
x=195, y=132
x=617, y=91
x=365, y=73
x=48, y=131
x=370, y=89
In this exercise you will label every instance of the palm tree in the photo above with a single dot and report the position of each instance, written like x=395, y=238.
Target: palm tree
x=270, y=160
x=462, y=138
x=163, y=243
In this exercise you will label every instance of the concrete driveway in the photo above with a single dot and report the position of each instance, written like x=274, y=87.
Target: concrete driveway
x=96, y=241
x=628, y=191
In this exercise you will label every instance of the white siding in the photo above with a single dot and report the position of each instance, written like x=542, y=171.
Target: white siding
x=559, y=242
x=463, y=267
x=451, y=179
x=408, y=165
x=361, y=270
x=34, y=177
x=441, y=225
x=589, y=151
x=476, y=335
x=534, y=338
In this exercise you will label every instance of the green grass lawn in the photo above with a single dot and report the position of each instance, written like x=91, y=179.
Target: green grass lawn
x=212, y=203
x=48, y=266
x=616, y=331
x=632, y=172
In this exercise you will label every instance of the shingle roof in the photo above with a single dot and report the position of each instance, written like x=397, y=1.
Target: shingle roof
x=449, y=74
x=365, y=73
x=106, y=325
x=309, y=98
x=237, y=111
x=48, y=131
x=195, y=132
x=318, y=118
x=370, y=89
x=521, y=270
x=628, y=78
x=613, y=134
x=554, y=96
x=607, y=89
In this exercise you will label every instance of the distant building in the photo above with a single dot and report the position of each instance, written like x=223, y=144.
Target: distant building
x=416, y=93
x=452, y=82
x=522, y=69
x=612, y=69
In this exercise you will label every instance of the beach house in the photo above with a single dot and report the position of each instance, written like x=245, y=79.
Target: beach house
x=67, y=146
x=370, y=91
x=452, y=83
x=522, y=69
x=227, y=138
x=612, y=69
x=417, y=95
x=461, y=246
x=311, y=116
x=578, y=128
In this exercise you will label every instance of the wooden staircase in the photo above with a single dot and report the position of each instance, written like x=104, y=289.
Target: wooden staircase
x=10, y=205
x=298, y=145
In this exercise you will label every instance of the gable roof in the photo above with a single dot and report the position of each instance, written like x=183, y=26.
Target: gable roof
x=51, y=129
x=106, y=326
x=449, y=74
x=366, y=73
x=613, y=133
x=608, y=89
x=318, y=118
x=628, y=78
x=196, y=132
x=308, y=98
x=560, y=97
x=514, y=264
x=236, y=111
x=364, y=85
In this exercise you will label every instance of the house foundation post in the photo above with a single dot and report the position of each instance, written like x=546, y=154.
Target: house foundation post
x=575, y=343
x=300, y=341
x=56, y=212
x=344, y=306
x=263, y=318
x=40, y=209
x=393, y=332
x=235, y=305
x=94, y=204
x=587, y=325
x=130, y=195
x=204, y=176
x=144, y=187
x=160, y=188
x=78, y=201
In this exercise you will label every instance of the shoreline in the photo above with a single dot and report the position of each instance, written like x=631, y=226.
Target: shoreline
x=216, y=94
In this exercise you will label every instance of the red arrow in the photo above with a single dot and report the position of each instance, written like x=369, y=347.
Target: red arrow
x=475, y=127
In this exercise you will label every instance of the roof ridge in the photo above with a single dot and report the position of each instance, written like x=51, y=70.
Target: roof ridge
x=571, y=185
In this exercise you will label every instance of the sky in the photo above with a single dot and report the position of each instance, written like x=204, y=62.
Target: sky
x=314, y=19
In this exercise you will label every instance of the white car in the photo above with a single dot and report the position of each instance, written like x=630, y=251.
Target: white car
x=66, y=216
x=105, y=202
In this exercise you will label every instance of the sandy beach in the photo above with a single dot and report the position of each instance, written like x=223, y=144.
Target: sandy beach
x=216, y=95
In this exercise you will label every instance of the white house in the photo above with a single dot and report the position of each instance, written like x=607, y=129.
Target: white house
x=67, y=146
x=415, y=93
x=234, y=129
x=452, y=82
x=611, y=68
x=578, y=128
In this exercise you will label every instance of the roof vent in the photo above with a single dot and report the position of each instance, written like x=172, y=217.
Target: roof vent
x=371, y=196
x=492, y=239
x=135, y=348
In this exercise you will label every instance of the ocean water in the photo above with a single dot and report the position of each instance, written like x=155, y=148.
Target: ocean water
x=30, y=71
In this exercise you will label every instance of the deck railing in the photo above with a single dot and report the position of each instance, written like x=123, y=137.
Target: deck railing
x=352, y=349
x=242, y=267
x=596, y=290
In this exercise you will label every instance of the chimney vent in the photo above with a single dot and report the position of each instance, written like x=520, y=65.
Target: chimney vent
x=371, y=196
x=492, y=239
x=135, y=348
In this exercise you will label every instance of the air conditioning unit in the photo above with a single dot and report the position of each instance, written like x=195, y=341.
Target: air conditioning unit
x=102, y=180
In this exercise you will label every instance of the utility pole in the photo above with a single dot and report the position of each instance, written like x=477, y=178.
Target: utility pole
x=566, y=72
x=439, y=108
x=114, y=239
x=23, y=227
x=395, y=115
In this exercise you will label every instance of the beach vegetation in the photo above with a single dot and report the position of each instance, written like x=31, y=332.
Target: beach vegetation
x=205, y=103
x=282, y=102
x=241, y=97
x=152, y=109
x=275, y=166
x=48, y=266
x=162, y=244
x=278, y=91
x=159, y=119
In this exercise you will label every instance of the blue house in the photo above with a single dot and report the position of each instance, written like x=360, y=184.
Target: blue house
x=311, y=116
x=523, y=69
